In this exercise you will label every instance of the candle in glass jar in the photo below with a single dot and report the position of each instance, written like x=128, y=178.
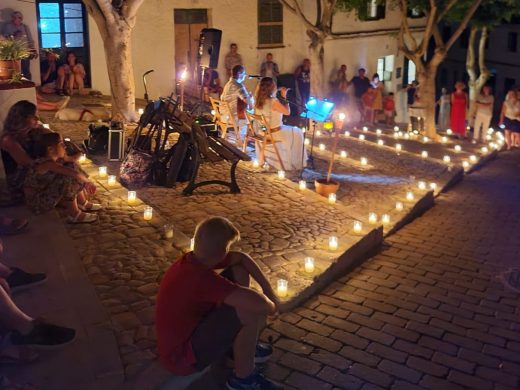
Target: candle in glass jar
x=446, y=159
x=425, y=139
x=46, y=126
x=333, y=243
x=380, y=142
x=424, y=154
x=433, y=186
x=192, y=244
x=111, y=180
x=322, y=147
x=103, y=171
x=343, y=154
x=306, y=142
x=132, y=196
x=358, y=226
x=385, y=219
x=379, y=132
x=361, y=137
x=82, y=158
x=473, y=158
x=421, y=185
x=140, y=111
x=148, y=213
x=398, y=147
x=365, y=129
x=444, y=140
x=281, y=288
x=363, y=161
x=465, y=164
x=281, y=174
x=372, y=218
x=347, y=133
x=168, y=231
x=332, y=198
x=302, y=185
x=484, y=149
x=449, y=132
x=398, y=206
x=457, y=148
x=256, y=164
x=309, y=265
x=409, y=196
x=318, y=133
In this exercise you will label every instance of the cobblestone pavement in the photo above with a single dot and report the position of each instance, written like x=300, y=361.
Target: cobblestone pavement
x=430, y=311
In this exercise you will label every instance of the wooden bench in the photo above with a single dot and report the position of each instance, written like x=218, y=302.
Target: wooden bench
x=213, y=149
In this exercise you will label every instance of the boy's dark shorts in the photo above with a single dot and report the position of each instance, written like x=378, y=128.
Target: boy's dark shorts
x=215, y=335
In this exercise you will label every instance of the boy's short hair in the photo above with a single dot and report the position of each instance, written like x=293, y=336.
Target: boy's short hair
x=215, y=233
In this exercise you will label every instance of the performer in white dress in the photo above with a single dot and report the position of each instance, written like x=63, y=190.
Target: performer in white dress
x=291, y=149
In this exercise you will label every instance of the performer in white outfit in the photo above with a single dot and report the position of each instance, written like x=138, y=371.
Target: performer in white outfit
x=291, y=139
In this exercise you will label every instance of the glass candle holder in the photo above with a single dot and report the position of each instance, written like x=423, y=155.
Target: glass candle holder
x=343, y=154
x=309, y=265
x=306, y=142
x=132, y=197
x=398, y=147
x=333, y=243
x=372, y=218
x=380, y=142
x=449, y=132
x=281, y=174
x=361, y=137
x=385, y=219
x=318, y=133
x=168, y=231
x=446, y=159
x=457, y=148
x=365, y=129
x=399, y=206
x=302, y=185
x=192, y=244
x=363, y=161
x=148, y=213
x=332, y=198
x=379, y=132
x=421, y=185
x=347, y=133
x=282, y=288
x=473, y=158
x=82, y=159
x=111, y=180
x=410, y=196
x=256, y=164
x=444, y=140
x=103, y=171
x=424, y=154
x=465, y=164
x=484, y=150
x=322, y=147
x=433, y=186
x=357, y=226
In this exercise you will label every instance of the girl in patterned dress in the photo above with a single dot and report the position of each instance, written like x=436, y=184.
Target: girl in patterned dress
x=49, y=183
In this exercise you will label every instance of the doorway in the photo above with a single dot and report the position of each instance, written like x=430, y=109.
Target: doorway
x=188, y=24
x=62, y=26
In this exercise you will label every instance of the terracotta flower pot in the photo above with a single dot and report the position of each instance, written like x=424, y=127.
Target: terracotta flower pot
x=8, y=68
x=324, y=187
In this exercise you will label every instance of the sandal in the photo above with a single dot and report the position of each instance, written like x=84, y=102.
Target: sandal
x=89, y=206
x=82, y=217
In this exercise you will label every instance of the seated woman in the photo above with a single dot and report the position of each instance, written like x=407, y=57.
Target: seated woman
x=70, y=75
x=48, y=182
x=291, y=139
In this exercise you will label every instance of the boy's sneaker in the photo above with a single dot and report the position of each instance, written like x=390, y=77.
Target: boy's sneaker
x=19, y=279
x=44, y=335
x=263, y=352
x=255, y=381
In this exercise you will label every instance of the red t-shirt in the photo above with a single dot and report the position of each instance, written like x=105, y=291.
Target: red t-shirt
x=389, y=104
x=188, y=291
x=368, y=100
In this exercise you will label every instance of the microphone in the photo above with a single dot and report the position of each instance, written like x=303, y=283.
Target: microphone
x=254, y=76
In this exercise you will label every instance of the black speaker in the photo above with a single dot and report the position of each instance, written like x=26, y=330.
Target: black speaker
x=209, y=47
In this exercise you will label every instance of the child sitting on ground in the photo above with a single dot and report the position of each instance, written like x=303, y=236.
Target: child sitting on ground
x=201, y=315
x=389, y=108
x=49, y=183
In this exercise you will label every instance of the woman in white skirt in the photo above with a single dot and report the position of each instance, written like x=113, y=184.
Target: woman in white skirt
x=290, y=145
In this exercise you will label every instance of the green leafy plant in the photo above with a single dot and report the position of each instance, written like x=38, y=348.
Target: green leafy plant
x=14, y=49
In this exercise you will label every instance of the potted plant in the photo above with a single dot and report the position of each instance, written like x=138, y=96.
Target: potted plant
x=327, y=186
x=11, y=52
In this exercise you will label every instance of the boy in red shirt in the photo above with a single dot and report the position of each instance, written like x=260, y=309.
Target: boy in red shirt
x=389, y=108
x=202, y=315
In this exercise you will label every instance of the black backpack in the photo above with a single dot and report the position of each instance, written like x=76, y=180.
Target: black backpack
x=97, y=142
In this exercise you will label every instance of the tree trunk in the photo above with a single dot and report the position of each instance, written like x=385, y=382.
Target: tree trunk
x=427, y=100
x=316, y=54
x=118, y=55
x=476, y=83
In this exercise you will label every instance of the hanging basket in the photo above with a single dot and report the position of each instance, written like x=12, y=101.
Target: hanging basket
x=325, y=188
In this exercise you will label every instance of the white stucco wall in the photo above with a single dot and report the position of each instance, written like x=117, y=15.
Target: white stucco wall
x=28, y=10
x=154, y=41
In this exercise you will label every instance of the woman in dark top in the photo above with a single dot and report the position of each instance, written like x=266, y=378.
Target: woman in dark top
x=15, y=145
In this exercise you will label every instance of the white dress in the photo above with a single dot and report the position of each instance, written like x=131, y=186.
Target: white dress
x=290, y=145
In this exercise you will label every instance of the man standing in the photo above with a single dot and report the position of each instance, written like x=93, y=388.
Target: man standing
x=238, y=98
x=484, y=113
x=303, y=80
x=18, y=30
x=361, y=85
x=269, y=68
x=232, y=59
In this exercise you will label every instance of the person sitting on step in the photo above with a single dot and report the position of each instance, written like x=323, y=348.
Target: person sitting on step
x=201, y=315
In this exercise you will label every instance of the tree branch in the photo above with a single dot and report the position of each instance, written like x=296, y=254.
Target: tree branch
x=107, y=10
x=463, y=24
x=430, y=23
x=470, y=55
x=446, y=9
x=484, y=71
x=439, y=42
x=405, y=28
x=131, y=8
x=296, y=9
x=96, y=13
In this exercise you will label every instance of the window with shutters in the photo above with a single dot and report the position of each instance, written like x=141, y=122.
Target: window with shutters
x=270, y=23
x=372, y=10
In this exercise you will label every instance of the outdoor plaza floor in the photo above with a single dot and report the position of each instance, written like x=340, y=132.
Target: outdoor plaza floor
x=427, y=311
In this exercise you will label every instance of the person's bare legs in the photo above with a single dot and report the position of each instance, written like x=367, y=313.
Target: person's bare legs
x=11, y=317
x=61, y=78
x=508, y=139
x=244, y=346
x=79, y=78
x=70, y=83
